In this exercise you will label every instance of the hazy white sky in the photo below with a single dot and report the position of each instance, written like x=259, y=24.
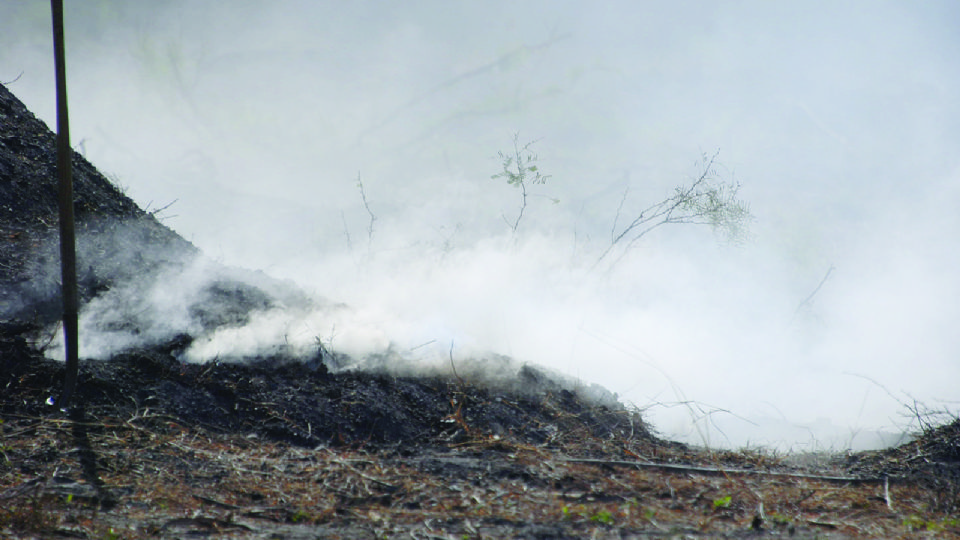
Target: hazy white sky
x=839, y=119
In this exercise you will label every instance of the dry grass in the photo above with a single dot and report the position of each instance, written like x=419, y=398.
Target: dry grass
x=149, y=477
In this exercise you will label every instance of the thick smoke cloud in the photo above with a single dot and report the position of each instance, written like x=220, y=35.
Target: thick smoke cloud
x=260, y=119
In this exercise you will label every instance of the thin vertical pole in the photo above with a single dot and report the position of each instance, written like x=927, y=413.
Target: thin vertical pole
x=68, y=249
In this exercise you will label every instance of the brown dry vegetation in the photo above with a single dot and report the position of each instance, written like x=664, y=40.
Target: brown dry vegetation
x=146, y=477
x=120, y=468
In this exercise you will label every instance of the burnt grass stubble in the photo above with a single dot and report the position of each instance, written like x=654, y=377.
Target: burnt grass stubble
x=289, y=447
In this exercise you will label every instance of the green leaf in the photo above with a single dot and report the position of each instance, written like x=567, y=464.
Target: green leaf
x=603, y=517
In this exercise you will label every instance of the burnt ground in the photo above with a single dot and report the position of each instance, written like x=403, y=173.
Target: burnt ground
x=294, y=446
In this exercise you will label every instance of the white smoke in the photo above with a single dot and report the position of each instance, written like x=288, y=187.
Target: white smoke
x=839, y=121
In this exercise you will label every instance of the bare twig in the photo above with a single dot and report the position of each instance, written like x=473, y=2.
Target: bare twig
x=215, y=502
x=616, y=217
x=925, y=417
x=346, y=231
x=53, y=335
x=432, y=341
x=808, y=299
x=366, y=206
x=490, y=67
x=454, y=367
x=155, y=213
x=886, y=493
x=523, y=206
x=34, y=484
x=17, y=78
x=354, y=470
x=723, y=471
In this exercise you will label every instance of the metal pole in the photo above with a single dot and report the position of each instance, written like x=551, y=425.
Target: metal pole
x=68, y=249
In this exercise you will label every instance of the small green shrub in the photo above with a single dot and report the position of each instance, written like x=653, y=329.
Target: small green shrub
x=520, y=169
x=602, y=516
x=722, y=502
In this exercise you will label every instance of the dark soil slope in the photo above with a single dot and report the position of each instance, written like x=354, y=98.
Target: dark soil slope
x=292, y=399
x=28, y=220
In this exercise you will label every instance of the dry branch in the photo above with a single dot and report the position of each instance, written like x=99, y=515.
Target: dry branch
x=725, y=471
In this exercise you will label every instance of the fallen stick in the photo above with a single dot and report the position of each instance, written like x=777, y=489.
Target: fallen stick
x=715, y=470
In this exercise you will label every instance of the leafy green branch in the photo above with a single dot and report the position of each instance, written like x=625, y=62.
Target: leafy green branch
x=706, y=201
x=520, y=170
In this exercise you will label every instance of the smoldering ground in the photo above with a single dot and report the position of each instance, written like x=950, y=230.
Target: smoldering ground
x=263, y=121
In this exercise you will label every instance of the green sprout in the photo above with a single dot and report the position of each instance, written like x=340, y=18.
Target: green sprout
x=722, y=502
x=602, y=516
x=520, y=169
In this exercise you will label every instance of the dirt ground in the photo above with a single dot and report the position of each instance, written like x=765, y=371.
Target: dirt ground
x=167, y=450
x=293, y=447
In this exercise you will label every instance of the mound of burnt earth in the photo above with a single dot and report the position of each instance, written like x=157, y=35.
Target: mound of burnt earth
x=29, y=222
x=121, y=247
x=123, y=252
x=279, y=449
x=932, y=460
x=276, y=448
x=299, y=402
